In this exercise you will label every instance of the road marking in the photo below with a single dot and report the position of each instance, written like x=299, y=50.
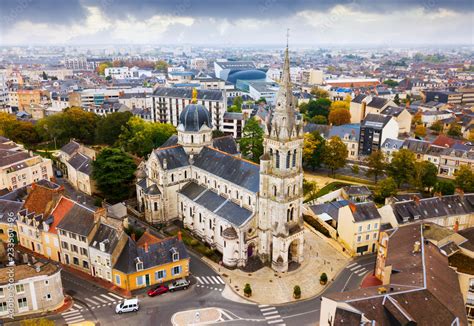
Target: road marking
x=92, y=301
x=220, y=279
x=267, y=309
x=349, y=266
x=71, y=312
x=346, y=283
x=273, y=317
x=354, y=268
x=204, y=280
x=263, y=306
x=108, y=298
x=275, y=321
x=270, y=313
x=226, y=315
x=214, y=279
x=115, y=296
x=199, y=280
x=74, y=320
x=100, y=299
x=77, y=306
x=362, y=273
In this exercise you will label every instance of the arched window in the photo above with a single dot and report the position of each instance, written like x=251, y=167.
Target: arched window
x=185, y=174
x=237, y=194
x=294, y=189
x=288, y=212
x=250, y=201
x=172, y=177
x=182, y=207
x=292, y=213
x=221, y=230
x=288, y=159
x=277, y=162
x=274, y=190
x=200, y=218
x=294, y=158
x=190, y=211
x=210, y=224
x=192, y=139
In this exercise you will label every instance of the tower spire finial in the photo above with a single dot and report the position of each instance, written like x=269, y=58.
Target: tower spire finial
x=287, y=37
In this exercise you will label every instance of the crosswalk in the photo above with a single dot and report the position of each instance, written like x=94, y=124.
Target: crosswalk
x=271, y=315
x=357, y=269
x=214, y=283
x=100, y=300
x=73, y=316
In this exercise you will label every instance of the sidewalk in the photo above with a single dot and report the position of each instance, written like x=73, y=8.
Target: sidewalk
x=67, y=304
x=270, y=287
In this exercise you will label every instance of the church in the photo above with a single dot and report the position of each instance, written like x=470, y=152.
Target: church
x=239, y=208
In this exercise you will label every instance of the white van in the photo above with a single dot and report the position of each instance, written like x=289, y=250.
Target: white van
x=127, y=305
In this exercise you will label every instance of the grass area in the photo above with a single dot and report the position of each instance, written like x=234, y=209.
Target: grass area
x=316, y=225
x=192, y=242
x=331, y=187
x=354, y=179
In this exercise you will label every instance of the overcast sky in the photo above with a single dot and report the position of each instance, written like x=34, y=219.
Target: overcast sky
x=235, y=22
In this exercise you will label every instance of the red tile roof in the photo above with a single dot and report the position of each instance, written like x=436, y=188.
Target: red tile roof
x=41, y=200
x=61, y=209
x=445, y=141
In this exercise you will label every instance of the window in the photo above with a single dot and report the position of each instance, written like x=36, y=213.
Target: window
x=176, y=270
x=64, y=245
x=368, y=227
x=74, y=248
x=358, y=238
x=46, y=240
x=56, y=242
x=46, y=282
x=85, y=264
x=274, y=190
x=175, y=256
x=48, y=252
x=360, y=228
x=3, y=307
x=84, y=251
x=82, y=238
x=139, y=280
x=200, y=218
x=139, y=266
x=117, y=279
x=210, y=224
x=72, y=235
x=294, y=158
x=20, y=288
x=277, y=159
x=48, y=296
x=156, y=206
x=367, y=237
x=375, y=236
x=75, y=260
x=22, y=303
x=1, y=292
x=159, y=275
x=288, y=159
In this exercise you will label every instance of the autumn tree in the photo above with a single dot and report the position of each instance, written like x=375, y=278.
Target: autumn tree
x=161, y=65
x=420, y=131
x=102, y=66
x=464, y=178
x=339, y=116
x=251, y=143
x=319, y=92
x=310, y=190
x=437, y=126
x=425, y=175
x=313, y=149
x=386, y=188
x=454, y=130
x=376, y=164
x=401, y=167
x=335, y=154
x=417, y=119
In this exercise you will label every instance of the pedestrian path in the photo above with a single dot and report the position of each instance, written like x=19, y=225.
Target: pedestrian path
x=271, y=315
x=215, y=283
x=100, y=300
x=357, y=269
x=72, y=316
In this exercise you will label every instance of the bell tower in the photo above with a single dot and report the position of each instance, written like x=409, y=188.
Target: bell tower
x=280, y=222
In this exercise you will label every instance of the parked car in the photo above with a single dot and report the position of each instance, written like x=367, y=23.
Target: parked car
x=181, y=284
x=127, y=305
x=160, y=289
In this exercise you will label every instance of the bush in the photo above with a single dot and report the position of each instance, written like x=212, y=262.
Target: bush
x=316, y=225
x=324, y=278
x=194, y=242
x=247, y=290
x=355, y=169
x=297, y=292
x=98, y=202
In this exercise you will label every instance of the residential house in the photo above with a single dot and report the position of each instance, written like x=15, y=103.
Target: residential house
x=8, y=215
x=428, y=118
x=356, y=193
x=349, y=134
x=374, y=129
x=363, y=105
x=451, y=160
x=401, y=115
x=389, y=147
x=150, y=264
x=76, y=162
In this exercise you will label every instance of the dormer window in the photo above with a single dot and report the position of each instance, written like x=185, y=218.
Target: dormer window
x=174, y=254
x=138, y=264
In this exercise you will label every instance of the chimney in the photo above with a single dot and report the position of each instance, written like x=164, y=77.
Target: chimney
x=382, y=290
x=133, y=237
x=416, y=199
x=460, y=192
x=180, y=237
x=416, y=247
x=353, y=207
x=146, y=247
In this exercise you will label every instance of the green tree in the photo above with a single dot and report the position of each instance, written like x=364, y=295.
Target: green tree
x=110, y=126
x=140, y=137
x=335, y=154
x=261, y=100
x=161, y=65
x=319, y=107
x=22, y=132
x=454, y=130
x=425, y=175
x=310, y=190
x=390, y=83
x=113, y=170
x=386, y=188
x=217, y=133
x=234, y=108
x=238, y=101
x=313, y=149
x=396, y=99
x=437, y=126
x=251, y=143
x=445, y=188
x=339, y=116
x=319, y=92
x=319, y=120
x=464, y=178
x=376, y=164
x=401, y=167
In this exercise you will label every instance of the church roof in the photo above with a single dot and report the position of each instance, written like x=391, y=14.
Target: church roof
x=219, y=205
x=226, y=144
x=194, y=116
x=174, y=156
x=236, y=170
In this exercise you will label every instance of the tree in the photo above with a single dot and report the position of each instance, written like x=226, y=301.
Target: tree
x=401, y=167
x=420, y=131
x=238, y=101
x=335, y=154
x=251, y=143
x=101, y=68
x=234, y=108
x=113, y=170
x=319, y=107
x=319, y=120
x=313, y=149
x=140, y=137
x=445, y=188
x=110, y=126
x=425, y=175
x=464, y=178
x=161, y=65
x=261, y=100
x=6, y=120
x=396, y=99
x=437, y=126
x=319, y=92
x=390, y=83
x=339, y=116
x=22, y=132
x=417, y=119
x=310, y=190
x=340, y=105
x=376, y=164
x=454, y=130
x=217, y=133
x=386, y=188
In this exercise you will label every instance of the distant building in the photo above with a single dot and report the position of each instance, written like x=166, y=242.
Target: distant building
x=199, y=64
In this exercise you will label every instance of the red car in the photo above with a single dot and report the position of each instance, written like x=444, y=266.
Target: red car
x=158, y=290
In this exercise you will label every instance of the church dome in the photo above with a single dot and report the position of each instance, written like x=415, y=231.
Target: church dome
x=194, y=116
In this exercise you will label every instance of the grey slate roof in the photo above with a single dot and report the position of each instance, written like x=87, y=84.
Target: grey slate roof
x=70, y=147
x=393, y=110
x=365, y=212
x=322, y=129
x=350, y=130
x=375, y=120
x=357, y=191
x=417, y=146
x=359, y=98
x=226, y=144
x=106, y=234
x=82, y=163
x=194, y=116
x=173, y=140
x=152, y=190
x=79, y=219
x=158, y=254
x=217, y=204
x=377, y=102
x=9, y=208
x=207, y=94
x=230, y=168
x=175, y=157
x=392, y=143
x=331, y=208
